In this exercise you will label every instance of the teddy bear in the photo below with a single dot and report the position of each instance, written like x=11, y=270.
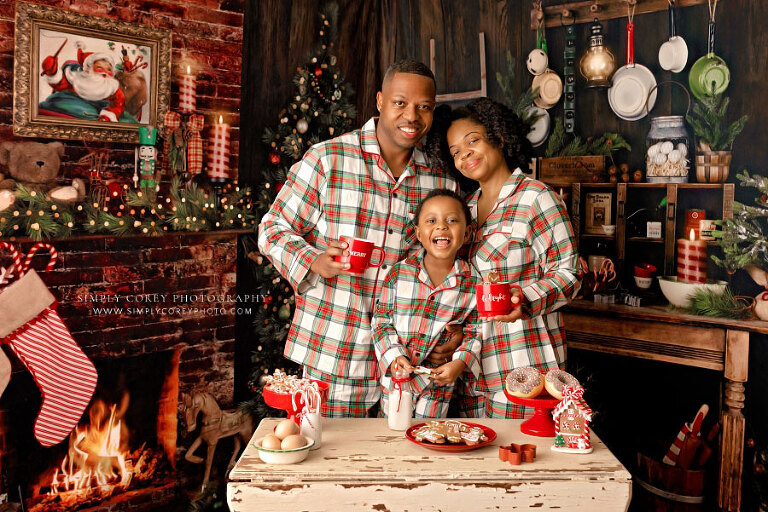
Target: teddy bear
x=36, y=165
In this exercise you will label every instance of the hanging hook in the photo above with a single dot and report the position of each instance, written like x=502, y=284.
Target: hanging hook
x=595, y=7
x=569, y=15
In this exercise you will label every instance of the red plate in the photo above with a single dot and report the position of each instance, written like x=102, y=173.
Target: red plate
x=489, y=433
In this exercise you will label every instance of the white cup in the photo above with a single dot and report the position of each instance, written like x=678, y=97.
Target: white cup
x=673, y=54
x=643, y=282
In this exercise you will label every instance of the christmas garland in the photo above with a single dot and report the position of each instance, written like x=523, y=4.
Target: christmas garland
x=142, y=211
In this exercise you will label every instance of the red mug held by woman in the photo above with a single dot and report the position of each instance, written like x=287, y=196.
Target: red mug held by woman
x=358, y=254
x=496, y=298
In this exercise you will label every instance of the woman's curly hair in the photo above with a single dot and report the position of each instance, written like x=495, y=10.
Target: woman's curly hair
x=500, y=123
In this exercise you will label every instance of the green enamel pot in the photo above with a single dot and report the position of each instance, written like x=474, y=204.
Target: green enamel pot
x=709, y=74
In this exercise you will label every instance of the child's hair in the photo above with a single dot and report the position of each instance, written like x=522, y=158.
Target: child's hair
x=500, y=123
x=444, y=192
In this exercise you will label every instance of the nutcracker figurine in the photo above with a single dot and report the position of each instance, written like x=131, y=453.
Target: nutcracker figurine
x=146, y=156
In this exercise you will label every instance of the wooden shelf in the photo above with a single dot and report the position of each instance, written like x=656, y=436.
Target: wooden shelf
x=590, y=236
x=584, y=12
x=645, y=239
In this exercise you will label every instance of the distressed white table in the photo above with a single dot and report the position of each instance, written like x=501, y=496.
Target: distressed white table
x=362, y=465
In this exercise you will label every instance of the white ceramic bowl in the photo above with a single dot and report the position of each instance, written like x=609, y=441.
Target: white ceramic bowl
x=609, y=229
x=678, y=292
x=643, y=282
x=283, y=456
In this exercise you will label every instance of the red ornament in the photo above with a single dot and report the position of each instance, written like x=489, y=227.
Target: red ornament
x=318, y=71
x=268, y=299
x=274, y=158
x=115, y=190
x=278, y=187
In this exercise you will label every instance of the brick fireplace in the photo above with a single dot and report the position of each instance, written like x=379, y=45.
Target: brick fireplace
x=157, y=318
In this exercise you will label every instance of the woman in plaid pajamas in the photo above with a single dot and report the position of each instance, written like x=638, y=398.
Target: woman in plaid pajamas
x=421, y=295
x=523, y=233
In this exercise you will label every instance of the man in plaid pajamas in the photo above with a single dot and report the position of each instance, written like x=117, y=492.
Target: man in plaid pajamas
x=420, y=297
x=364, y=184
x=528, y=240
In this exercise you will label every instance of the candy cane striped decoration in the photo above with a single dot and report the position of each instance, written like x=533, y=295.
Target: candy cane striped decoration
x=674, y=449
x=187, y=94
x=31, y=254
x=15, y=254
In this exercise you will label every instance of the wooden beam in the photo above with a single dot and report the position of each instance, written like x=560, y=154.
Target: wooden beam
x=468, y=95
x=584, y=12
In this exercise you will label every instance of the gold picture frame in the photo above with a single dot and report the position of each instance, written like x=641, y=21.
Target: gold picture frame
x=83, y=77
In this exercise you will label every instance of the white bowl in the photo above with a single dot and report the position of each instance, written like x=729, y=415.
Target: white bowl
x=643, y=282
x=678, y=292
x=283, y=456
x=609, y=229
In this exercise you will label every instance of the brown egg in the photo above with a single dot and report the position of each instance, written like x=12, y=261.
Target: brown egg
x=286, y=428
x=293, y=442
x=270, y=442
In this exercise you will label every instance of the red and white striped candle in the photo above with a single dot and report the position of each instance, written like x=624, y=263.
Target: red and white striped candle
x=218, y=152
x=691, y=259
x=187, y=93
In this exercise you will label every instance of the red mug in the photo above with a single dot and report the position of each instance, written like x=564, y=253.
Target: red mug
x=495, y=298
x=358, y=254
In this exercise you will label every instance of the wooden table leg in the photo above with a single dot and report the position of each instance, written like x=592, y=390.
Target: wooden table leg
x=732, y=419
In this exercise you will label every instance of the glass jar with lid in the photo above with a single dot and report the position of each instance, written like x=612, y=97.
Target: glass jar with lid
x=668, y=148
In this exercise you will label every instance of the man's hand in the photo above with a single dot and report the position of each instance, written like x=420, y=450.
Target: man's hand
x=448, y=373
x=50, y=65
x=517, y=309
x=324, y=264
x=441, y=354
x=400, y=363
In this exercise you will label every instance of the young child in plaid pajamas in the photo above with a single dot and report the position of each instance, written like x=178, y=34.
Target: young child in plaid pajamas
x=421, y=295
x=523, y=234
x=364, y=184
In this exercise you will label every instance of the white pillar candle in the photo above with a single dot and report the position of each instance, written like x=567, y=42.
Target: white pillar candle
x=218, y=152
x=187, y=93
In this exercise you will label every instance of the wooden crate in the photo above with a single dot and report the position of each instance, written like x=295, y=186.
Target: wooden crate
x=564, y=170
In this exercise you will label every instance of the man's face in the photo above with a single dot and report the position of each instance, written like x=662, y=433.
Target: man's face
x=406, y=104
x=103, y=67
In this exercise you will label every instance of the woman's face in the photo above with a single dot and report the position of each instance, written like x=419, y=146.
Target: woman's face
x=473, y=155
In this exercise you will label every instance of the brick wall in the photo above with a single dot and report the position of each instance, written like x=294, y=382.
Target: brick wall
x=207, y=35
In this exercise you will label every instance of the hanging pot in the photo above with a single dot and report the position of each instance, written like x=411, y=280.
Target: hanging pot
x=540, y=128
x=709, y=75
x=632, y=85
x=550, y=87
x=673, y=54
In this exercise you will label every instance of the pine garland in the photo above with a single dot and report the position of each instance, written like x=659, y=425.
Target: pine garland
x=519, y=105
x=183, y=209
x=605, y=144
x=706, y=302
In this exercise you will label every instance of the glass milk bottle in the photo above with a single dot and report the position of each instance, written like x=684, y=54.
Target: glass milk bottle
x=400, y=401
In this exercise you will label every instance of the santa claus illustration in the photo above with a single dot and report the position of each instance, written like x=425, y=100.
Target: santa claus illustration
x=86, y=89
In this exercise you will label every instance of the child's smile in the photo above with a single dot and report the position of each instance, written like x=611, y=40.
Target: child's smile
x=442, y=227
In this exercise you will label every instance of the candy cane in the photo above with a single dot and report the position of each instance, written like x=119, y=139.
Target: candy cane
x=15, y=255
x=33, y=251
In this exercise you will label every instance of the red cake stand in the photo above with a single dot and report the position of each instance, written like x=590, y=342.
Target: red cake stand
x=541, y=424
x=285, y=402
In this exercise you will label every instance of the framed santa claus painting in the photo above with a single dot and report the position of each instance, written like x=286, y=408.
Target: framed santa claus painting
x=85, y=77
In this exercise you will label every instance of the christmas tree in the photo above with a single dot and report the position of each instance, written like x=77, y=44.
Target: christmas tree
x=319, y=109
x=745, y=236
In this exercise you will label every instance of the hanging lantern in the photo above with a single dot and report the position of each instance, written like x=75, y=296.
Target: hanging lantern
x=598, y=63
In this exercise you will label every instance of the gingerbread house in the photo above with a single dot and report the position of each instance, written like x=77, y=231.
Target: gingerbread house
x=572, y=416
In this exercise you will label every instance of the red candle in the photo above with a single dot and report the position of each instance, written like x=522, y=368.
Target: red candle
x=691, y=259
x=187, y=93
x=218, y=152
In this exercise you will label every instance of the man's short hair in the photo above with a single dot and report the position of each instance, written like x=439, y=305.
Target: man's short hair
x=408, y=66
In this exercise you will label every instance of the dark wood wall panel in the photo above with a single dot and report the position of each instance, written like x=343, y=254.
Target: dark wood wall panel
x=373, y=33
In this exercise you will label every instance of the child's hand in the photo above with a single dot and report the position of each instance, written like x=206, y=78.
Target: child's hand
x=448, y=373
x=400, y=362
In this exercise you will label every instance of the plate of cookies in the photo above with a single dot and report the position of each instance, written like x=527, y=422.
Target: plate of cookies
x=450, y=435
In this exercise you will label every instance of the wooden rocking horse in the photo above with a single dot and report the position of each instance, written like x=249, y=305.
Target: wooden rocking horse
x=216, y=425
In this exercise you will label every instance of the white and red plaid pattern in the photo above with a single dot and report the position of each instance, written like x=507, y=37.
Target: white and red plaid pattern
x=411, y=316
x=528, y=240
x=342, y=187
x=195, y=144
x=218, y=152
x=187, y=94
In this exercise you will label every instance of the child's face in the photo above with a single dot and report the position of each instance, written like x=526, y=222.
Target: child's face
x=442, y=228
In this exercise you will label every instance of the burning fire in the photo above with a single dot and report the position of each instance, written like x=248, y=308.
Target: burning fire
x=97, y=451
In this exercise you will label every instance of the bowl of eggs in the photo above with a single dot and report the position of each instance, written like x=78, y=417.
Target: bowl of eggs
x=667, y=162
x=285, y=446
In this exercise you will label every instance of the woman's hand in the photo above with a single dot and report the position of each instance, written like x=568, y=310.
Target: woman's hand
x=324, y=263
x=441, y=354
x=448, y=373
x=517, y=310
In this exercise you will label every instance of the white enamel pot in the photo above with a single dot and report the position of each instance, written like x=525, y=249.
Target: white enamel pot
x=673, y=53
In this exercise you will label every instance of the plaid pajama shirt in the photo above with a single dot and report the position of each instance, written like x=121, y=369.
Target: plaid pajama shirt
x=527, y=238
x=410, y=319
x=342, y=187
